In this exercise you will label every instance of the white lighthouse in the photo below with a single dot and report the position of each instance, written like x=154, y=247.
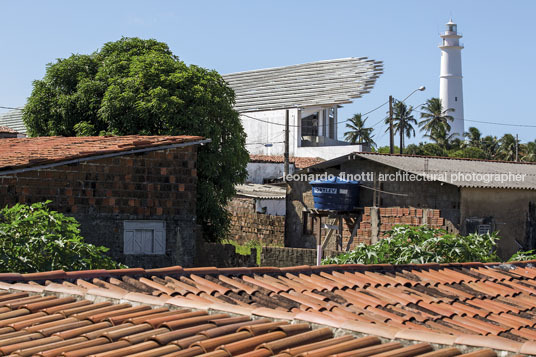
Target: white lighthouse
x=450, y=82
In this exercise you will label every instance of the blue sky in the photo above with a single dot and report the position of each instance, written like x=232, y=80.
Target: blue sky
x=232, y=36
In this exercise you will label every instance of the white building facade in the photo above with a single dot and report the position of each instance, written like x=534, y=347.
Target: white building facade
x=310, y=95
x=450, y=80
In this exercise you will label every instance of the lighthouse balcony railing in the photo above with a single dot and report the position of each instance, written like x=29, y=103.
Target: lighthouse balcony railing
x=450, y=33
x=443, y=44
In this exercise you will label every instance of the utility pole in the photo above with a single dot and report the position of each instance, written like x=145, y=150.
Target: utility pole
x=517, y=148
x=286, y=165
x=391, y=134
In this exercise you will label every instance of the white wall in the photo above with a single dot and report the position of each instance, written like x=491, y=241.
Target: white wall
x=268, y=127
x=260, y=132
x=328, y=152
x=258, y=171
x=271, y=207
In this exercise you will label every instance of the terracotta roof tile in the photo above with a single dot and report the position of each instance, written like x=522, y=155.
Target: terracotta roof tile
x=27, y=152
x=429, y=303
x=299, y=162
x=78, y=332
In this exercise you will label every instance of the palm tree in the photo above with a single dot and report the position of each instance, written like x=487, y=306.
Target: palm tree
x=529, y=152
x=474, y=137
x=358, y=133
x=507, y=147
x=435, y=117
x=441, y=137
x=490, y=145
x=403, y=121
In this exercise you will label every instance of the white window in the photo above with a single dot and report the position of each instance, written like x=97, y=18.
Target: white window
x=144, y=237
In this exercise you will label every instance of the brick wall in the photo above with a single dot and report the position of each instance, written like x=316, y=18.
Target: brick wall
x=101, y=194
x=419, y=194
x=369, y=229
x=248, y=225
x=223, y=256
x=286, y=257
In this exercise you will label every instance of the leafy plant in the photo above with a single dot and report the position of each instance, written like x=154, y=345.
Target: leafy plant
x=421, y=244
x=139, y=87
x=523, y=255
x=35, y=238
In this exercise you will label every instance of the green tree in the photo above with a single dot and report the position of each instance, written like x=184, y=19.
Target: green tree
x=490, y=145
x=434, y=117
x=358, y=133
x=529, y=151
x=507, y=147
x=474, y=137
x=34, y=238
x=135, y=86
x=403, y=121
x=469, y=152
x=441, y=137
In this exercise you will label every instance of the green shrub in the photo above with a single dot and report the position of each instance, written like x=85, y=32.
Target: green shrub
x=414, y=245
x=520, y=256
x=34, y=238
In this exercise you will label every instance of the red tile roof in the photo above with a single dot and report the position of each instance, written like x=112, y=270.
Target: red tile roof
x=472, y=304
x=5, y=129
x=26, y=152
x=299, y=162
x=45, y=325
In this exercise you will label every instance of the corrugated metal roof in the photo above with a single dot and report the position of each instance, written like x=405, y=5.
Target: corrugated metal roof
x=261, y=191
x=328, y=82
x=461, y=172
x=13, y=120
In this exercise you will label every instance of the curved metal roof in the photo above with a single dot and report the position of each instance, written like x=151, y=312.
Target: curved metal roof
x=330, y=82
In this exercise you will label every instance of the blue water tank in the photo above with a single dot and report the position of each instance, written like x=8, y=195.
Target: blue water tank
x=335, y=194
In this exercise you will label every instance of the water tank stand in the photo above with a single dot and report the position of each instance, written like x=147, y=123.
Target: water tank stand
x=319, y=221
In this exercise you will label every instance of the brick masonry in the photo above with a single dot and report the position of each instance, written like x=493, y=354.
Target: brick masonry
x=286, y=257
x=248, y=225
x=419, y=195
x=223, y=256
x=102, y=193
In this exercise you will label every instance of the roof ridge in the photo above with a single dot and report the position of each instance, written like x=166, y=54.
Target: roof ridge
x=179, y=270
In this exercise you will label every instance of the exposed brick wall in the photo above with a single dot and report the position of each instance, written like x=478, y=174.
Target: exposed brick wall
x=223, y=256
x=420, y=194
x=248, y=225
x=286, y=257
x=101, y=194
x=388, y=217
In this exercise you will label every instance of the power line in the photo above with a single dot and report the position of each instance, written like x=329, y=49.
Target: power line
x=296, y=126
x=493, y=123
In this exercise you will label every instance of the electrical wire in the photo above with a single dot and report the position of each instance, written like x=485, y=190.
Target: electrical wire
x=493, y=123
x=296, y=126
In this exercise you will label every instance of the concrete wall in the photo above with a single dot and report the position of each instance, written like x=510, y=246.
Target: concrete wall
x=102, y=194
x=260, y=171
x=267, y=127
x=249, y=225
x=433, y=195
x=260, y=132
x=509, y=210
x=272, y=207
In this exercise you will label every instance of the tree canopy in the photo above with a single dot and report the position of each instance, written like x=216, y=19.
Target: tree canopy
x=136, y=86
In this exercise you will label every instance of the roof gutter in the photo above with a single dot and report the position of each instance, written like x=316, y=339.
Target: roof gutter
x=105, y=156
